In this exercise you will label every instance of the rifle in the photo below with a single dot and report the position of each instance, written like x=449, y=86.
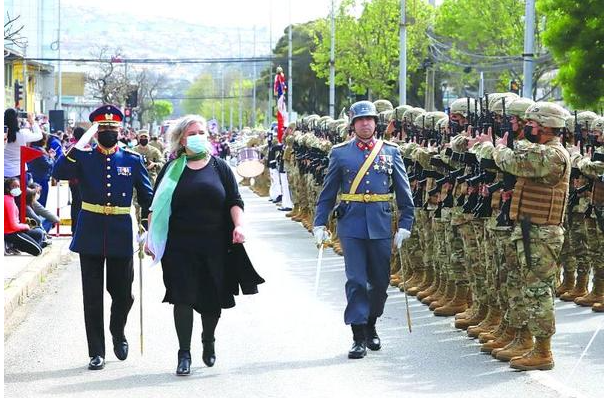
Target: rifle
x=398, y=126
x=509, y=180
x=579, y=135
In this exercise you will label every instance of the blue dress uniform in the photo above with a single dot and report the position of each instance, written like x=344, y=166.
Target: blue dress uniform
x=107, y=177
x=365, y=226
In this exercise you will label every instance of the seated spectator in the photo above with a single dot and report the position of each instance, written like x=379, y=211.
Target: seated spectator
x=46, y=217
x=16, y=234
x=19, y=133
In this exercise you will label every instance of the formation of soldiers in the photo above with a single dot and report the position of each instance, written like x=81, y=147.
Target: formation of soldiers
x=500, y=211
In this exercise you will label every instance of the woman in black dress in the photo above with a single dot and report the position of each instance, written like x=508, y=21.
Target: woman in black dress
x=195, y=229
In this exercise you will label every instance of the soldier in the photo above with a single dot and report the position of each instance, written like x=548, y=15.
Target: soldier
x=107, y=175
x=157, y=144
x=152, y=157
x=542, y=168
x=593, y=168
x=363, y=169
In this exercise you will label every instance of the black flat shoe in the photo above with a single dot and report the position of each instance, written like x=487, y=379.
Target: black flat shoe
x=120, y=348
x=184, y=363
x=209, y=355
x=373, y=340
x=358, y=350
x=96, y=363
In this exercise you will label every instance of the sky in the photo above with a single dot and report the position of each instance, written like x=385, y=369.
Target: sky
x=244, y=13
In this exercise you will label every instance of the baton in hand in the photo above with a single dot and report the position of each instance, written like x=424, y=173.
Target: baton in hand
x=319, y=263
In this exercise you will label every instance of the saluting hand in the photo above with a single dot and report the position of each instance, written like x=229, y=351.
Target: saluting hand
x=238, y=235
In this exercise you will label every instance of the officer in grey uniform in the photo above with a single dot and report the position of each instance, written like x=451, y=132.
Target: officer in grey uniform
x=364, y=169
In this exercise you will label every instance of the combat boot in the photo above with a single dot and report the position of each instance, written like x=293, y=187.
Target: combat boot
x=500, y=342
x=428, y=279
x=431, y=289
x=413, y=287
x=478, y=317
x=455, y=306
x=539, y=358
x=292, y=212
x=596, y=295
x=598, y=307
x=395, y=273
x=395, y=279
x=359, y=347
x=488, y=324
x=436, y=291
x=447, y=296
x=568, y=283
x=522, y=343
x=579, y=290
x=337, y=247
x=493, y=334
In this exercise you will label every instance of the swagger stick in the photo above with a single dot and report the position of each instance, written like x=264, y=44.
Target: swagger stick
x=141, y=255
x=400, y=257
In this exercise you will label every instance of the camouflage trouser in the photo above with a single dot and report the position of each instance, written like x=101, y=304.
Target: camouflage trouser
x=490, y=262
x=538, y=279
x=595, y=242
x=292, y=177
x=483, y=269
x=504, y=261
x=413, y=251
x=457, y=262
x=442, y=252
x=472, y=258
x=423, y=220
x=313, y=195
x=575, y=254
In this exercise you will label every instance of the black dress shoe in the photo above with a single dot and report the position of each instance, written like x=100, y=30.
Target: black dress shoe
x=120, y=348
x=278, y=199
x=97, y=362
x=184, y=363
x=373, y=340
x=209, y=355
x=285, y=208
x=358, y=350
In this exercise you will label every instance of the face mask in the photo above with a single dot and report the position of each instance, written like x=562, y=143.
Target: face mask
x=107, y=138
x=132, y=144
x=528, y=134
x=455, y=127
x=15, y=192
x=198, y=143
x=143, y=141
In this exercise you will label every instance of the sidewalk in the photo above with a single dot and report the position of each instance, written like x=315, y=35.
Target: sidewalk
x=23, y=274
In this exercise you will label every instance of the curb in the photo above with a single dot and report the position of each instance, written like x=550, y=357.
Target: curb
x=34, y=275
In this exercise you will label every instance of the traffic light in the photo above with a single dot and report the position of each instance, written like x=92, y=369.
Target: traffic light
x=514, y=87
x=18, y=93
x=127, y=112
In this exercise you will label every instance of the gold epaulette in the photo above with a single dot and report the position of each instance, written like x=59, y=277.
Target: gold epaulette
x=386, y=142
x=341, y=144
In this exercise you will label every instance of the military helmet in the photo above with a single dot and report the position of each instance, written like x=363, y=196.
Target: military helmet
x=547, y=114
x=382, y=105
x=442, y=123
x=460, y=106
x=142, y=133
x=386, y=115
x=598, y=124
x=496, y=104
x=412, y=114
x=518, y=107
x=362, y=109
x=400, y=110
x=585, y=119
x=433, y=117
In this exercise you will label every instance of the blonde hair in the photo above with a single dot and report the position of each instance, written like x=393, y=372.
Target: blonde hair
x=178, y=129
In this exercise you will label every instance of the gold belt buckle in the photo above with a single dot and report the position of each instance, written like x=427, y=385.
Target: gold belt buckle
x=107, y=210
x=366, y=197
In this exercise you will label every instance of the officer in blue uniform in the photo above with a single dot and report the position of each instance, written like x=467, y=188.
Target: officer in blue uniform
x=107, y=176
x=367, y=171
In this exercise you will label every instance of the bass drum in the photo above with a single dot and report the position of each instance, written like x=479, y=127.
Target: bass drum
x=248, y=163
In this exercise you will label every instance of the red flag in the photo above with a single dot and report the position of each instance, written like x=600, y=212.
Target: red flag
x=27, y=155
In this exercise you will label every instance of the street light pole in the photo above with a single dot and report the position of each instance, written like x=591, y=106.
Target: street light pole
x=529, y=48
x=402, y=77
x=332, y=63
x=289, y=67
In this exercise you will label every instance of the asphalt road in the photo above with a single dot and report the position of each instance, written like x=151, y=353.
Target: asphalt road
x=284, y=342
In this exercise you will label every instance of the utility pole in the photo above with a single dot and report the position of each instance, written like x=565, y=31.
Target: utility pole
x=222, y=97
x=59, y=104
x=332, y=63
x=254, y=80
x=231, y=116
x=481, y=85
x=430, y=77
x=402, y=75
x=269, y=110
x=529, y=48
x=289, y=67
x=240, y=84
x=25, y=85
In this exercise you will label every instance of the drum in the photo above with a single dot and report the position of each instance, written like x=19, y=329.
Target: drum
x=248, y=163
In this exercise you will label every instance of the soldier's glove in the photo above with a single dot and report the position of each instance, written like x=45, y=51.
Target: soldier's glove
x=401, y=235
x=321, y=234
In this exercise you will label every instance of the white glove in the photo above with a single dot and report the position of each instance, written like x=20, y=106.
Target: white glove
x=87, y=137
x=400, y=236
x=321, y=234
x=141, y=238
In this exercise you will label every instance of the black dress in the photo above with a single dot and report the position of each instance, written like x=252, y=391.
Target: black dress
x=194, y=256
x=201, y=266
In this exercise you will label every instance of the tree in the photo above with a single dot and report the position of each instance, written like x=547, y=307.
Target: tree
x=108, y=81
x=161, y=110
x=367, y=48
x=484, y=35
x=575, y=35
x=12, y=31
x=147, y=85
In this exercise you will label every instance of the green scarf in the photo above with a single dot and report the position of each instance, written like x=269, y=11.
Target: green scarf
x=162, y=204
